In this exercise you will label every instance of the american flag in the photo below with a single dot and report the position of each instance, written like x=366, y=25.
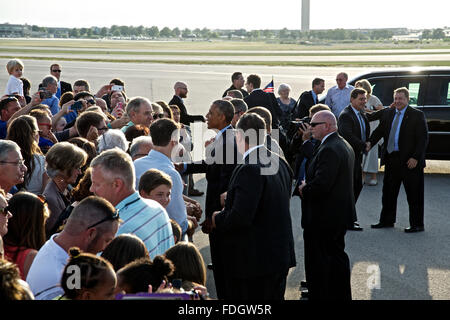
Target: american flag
x=269, y=87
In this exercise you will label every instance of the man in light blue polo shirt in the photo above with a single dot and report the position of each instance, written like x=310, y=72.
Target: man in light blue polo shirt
x=113, y=178
x=165, y=137
x=50, y=84
x=338, y=97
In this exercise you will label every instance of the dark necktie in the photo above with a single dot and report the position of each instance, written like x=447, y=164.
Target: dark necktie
x=391, y=140
x=363, y=126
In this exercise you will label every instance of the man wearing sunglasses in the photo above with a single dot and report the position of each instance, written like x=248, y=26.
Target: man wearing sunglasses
x=91, y=226
x=181, y=91
x=63, y=87
x=328, y=205
x=113, y=178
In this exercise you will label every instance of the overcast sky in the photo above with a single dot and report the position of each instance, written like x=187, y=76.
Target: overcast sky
x=228, y=14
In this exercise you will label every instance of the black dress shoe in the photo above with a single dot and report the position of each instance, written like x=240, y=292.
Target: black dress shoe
x=414, y=229
x=304, y=295
x=195, y=193
x=355, y=227
x=303, y=284
x=382, y=225
x=210, y=266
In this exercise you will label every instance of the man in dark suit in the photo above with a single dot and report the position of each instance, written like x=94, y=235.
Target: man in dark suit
x=308, y=98
x=238, y=82
x=354, y=127
x=405, y=134
x=256, y=222
x=181, y=91
x=327, y=205
x=63, y=87
x=259, y=98
x=222, y=157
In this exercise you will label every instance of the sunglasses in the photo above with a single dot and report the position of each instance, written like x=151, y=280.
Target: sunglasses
x=113, y=216
x=102, y=129
x=91, y=101
x=48, y=125
x=313, y=124
x=159, y=115
x=4, y=211
x=56, y=71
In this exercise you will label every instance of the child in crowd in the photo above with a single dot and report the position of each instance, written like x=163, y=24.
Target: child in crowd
x=156, y=185
x=136, y=276
x=98, y=279
x=15, y=86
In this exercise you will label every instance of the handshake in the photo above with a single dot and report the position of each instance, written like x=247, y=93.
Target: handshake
x=368, y=147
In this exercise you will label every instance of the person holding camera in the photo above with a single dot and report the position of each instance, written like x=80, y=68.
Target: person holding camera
x=48, y=93
x=302, y=145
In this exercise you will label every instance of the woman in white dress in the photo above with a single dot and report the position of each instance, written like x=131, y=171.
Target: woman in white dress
x=370, y=161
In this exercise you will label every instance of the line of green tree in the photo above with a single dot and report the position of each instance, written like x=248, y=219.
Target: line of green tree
x=205, y=33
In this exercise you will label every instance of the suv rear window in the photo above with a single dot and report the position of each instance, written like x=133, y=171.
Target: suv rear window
x=438, y=91
x=383, y=88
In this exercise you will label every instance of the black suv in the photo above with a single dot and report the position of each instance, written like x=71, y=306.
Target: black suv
x=429, y=91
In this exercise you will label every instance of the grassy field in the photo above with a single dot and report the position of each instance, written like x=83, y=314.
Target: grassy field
x=108, y=50
x=213, y=45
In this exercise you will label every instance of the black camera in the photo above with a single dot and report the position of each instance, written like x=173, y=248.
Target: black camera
x=45, y=94
x=298, y=123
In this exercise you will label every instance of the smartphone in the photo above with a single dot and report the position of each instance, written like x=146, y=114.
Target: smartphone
x=117, y=88
x=119, y=105
x=77, y=106
x=45, y=94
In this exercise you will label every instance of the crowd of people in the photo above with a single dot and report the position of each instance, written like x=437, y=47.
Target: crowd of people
x=96, y=188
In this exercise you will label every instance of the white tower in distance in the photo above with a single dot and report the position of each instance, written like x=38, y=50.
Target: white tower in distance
x=305, y=15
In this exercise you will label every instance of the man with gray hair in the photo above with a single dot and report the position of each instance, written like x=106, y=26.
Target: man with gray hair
x=240, y=107
x=113, y=178
x=140, y=111
x=91, y=226
x=328, y=207
x=338, y=97
x=12, y=167
x=140, y=147
x=50, y=87
x=181, y=91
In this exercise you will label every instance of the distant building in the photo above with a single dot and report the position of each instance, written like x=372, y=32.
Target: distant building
x=14, y=30
x=305, y=15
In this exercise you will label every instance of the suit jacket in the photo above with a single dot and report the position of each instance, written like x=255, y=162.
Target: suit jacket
x=304, y=103
x=259, y=98
x=413, y=135
x=244, y=92
x=350, y=129
x=328, y=201
x=256, y=220
x=185, y=118
x=222, y=157
x=65, y=87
